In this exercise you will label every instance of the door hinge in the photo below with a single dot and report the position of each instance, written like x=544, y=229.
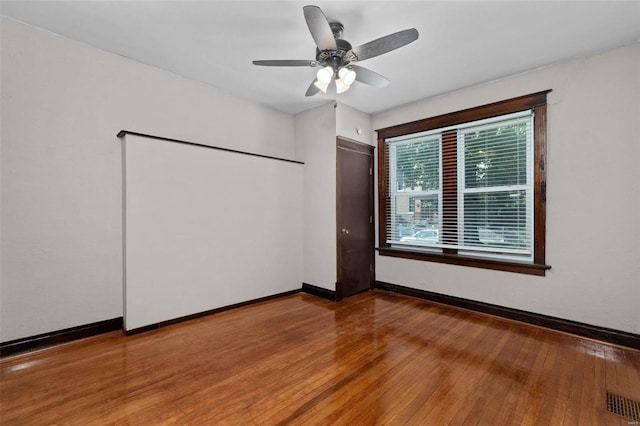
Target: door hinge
x=370, y=267
x=370, y=219
x=370, y=171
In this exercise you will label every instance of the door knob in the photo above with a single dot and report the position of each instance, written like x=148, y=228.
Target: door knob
x=345, y=231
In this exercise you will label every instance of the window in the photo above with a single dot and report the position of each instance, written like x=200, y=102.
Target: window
x=467, y=188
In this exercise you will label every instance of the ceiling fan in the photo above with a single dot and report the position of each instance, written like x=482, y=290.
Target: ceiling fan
x=336, y=57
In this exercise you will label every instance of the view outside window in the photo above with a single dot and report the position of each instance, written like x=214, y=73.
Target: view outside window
x=415, y=204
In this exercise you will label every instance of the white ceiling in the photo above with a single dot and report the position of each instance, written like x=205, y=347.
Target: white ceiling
x=461, y=43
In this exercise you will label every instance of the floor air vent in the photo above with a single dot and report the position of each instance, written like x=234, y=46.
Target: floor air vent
x=625, y=407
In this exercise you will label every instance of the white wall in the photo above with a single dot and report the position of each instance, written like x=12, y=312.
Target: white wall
x=349, y=120
x=62, y=104
x=593, y=195
x=206, y=228
x=316, y=146
x=316, y=132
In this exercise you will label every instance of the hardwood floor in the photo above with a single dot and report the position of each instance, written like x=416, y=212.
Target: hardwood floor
x=375, y=358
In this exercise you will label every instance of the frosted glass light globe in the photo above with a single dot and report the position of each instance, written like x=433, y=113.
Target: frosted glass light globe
x=348, y=76
x=324, y=75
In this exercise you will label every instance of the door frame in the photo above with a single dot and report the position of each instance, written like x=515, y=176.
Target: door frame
x=368, y=150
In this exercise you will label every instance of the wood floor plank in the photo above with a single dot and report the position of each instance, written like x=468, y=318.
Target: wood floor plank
x=521, y=374
x=590, y=387
x=568, y=408
x=375, y=358
x=501, y=382
x=457, y=396
x=406, y=338
x=594, y=410
x=424, y=362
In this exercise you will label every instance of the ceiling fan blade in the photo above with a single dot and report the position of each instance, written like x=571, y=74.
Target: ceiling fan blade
x=313, y=89
x=366, y=76
x=319, y=28
x=286, y=63
x=385, y=44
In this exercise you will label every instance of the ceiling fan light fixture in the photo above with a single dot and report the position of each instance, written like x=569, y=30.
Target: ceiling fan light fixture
x=322, y=86
x=348, y=76
x=324, y=75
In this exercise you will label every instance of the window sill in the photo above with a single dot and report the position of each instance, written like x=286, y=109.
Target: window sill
x=474, y=262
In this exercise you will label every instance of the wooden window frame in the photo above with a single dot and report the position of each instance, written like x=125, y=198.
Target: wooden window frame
x=536, y=102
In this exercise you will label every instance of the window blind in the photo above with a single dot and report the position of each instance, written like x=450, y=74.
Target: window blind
x=467, y=188
x=415, y=196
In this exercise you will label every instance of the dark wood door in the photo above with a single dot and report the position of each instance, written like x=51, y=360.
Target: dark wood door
x=355, y=232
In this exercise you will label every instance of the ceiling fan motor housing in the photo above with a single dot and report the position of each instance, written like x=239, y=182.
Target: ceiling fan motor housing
x=336, y=28
x=336, y=58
